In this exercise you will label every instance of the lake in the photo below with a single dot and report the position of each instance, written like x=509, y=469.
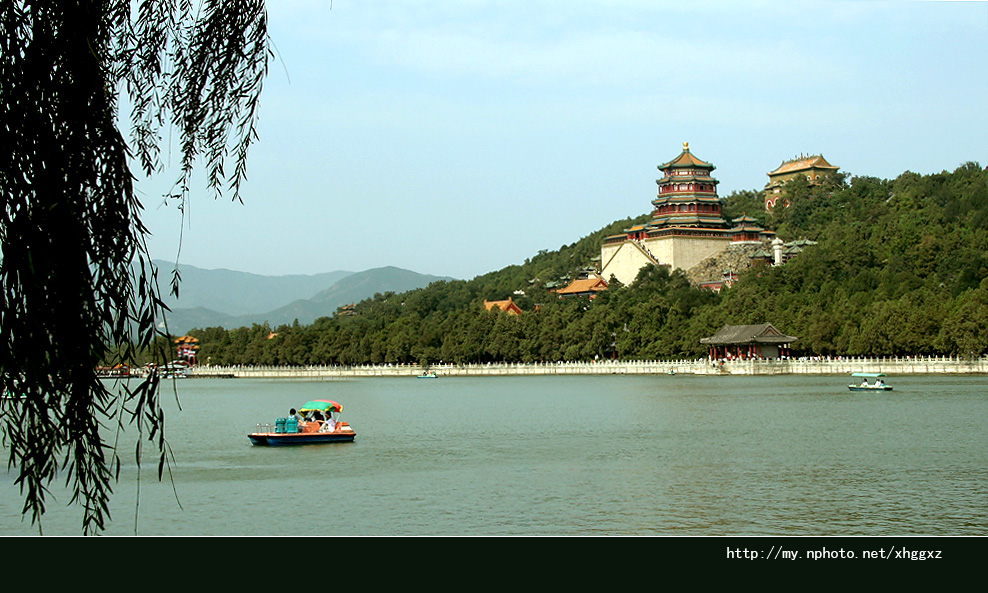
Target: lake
x=642, y=455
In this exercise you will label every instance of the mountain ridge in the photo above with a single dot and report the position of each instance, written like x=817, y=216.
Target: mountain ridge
x=227, y=298
x=238, y=293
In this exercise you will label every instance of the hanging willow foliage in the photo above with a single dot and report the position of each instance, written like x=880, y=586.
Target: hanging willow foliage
x=78, y=282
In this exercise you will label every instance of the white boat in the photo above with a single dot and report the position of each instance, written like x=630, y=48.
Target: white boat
x=878, y=385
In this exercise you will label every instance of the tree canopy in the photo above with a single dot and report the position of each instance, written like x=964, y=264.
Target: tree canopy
x=78, y=283
x=899, y=268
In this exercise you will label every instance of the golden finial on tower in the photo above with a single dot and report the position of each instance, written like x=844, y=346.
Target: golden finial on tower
x=686, y=146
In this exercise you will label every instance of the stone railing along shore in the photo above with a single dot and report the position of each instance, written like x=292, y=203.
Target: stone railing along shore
x=910, y=365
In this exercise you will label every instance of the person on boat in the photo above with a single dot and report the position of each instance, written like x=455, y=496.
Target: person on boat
x=329, y=425
x=879, y=383
x=294, y=414
x=864, y=382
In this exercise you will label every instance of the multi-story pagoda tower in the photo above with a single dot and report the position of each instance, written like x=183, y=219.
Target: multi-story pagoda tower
x=687, y=224
x=687, y=198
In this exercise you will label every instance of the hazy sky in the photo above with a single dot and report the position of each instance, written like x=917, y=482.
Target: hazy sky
x=458, y=137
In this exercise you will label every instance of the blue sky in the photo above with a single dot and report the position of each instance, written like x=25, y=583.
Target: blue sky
x=458, y=137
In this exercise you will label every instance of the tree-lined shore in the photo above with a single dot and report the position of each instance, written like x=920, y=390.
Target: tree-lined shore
x=899, y=269
x=910, y=365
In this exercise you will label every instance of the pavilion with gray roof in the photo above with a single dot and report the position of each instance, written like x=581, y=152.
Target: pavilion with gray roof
x=748, y=341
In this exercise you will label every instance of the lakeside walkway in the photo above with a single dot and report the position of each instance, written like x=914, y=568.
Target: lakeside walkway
x=823, y=366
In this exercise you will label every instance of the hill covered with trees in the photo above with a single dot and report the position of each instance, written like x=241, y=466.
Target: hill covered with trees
x=899, y=269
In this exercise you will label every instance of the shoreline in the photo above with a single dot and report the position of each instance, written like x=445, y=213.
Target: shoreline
x=835, y=366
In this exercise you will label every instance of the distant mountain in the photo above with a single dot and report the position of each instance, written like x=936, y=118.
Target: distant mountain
x=180, y=321
x=359, y=286
x=228, y=299
x=352, y=289
x=239, y=293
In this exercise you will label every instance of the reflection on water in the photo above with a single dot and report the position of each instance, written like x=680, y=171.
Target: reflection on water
x=601, y=455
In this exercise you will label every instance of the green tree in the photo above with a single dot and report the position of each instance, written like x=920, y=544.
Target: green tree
x=897, y=269
x=77, y=278
x=963, y=330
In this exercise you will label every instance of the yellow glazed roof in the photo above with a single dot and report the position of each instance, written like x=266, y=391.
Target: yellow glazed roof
x=584, y=285
x=686, y=159
x=803, y=163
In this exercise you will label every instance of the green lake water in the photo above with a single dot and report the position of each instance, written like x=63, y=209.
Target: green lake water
x=791, y=455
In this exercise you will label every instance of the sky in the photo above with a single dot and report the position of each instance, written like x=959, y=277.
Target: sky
x=458, y=137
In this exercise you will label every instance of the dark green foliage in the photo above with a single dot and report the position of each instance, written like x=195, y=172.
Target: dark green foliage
x=78, y=285
x=900, y=268
x=896, y=265
x=746, y=203
x=447, y=321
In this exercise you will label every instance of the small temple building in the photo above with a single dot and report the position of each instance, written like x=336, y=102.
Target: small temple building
x=748, y=341
x=687, y=225
x=187, y=349
x=509, y=306
x=814, y=168
x=588, y=287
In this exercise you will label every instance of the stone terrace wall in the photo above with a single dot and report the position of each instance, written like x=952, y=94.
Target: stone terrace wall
x=837, y=366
